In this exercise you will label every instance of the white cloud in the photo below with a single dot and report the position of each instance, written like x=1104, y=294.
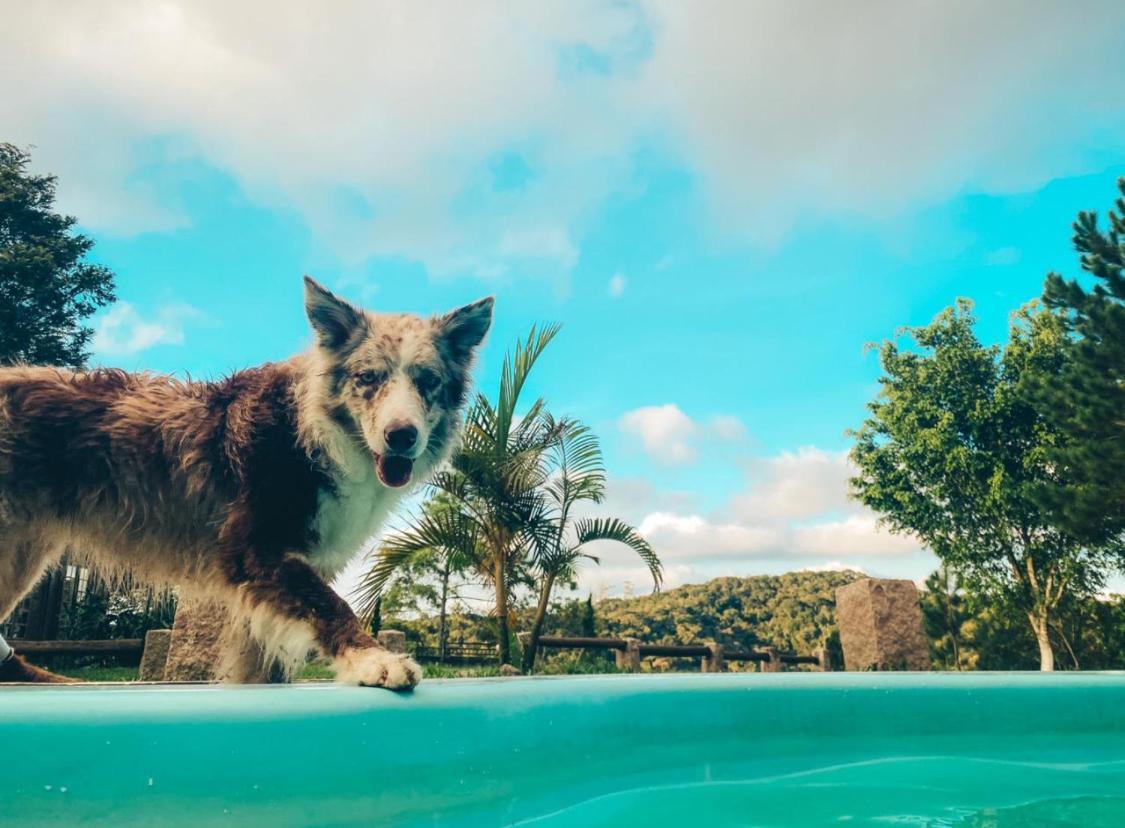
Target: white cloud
x=672, y=438
x=666, y=433
x=809, y=481
x=871, y=108
x=832, y=566
x=793, y=512
x=727, y=427
x=122, y=331
x=403, y=110
x=616, y=285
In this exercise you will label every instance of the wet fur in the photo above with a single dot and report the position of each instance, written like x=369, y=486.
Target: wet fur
x=254, y=490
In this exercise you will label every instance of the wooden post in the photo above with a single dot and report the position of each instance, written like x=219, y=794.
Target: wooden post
x=773, y=665
x=824, y=659
x=713, y=663
x=393, y=640
x=629, y=658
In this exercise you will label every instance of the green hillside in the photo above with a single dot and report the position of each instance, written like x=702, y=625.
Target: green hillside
x=795, y=611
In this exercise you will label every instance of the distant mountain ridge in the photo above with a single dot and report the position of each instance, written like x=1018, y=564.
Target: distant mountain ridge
x=795, y=611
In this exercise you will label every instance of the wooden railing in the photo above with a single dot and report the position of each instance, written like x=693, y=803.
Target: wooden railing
x=114, y=647
x=630, y=651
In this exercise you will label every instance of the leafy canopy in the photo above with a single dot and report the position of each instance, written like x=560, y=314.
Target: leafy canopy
x=47, y=288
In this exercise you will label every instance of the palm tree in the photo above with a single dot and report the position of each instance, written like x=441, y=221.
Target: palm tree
x=494, y=482
x=559, y=539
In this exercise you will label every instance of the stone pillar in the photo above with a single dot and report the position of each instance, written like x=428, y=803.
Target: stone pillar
x=713, y=663
x=629, y=659
x=880, y=625
x=773, y=663
x=195, y=649
x=155, y=656
x=393, y=640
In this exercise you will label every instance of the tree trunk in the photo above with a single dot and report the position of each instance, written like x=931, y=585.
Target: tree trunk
x=443, y=632
x=537, y=624
x=501, y=576
x=1046, y=654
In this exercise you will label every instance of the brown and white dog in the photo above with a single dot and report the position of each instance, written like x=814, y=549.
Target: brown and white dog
x=254, y=490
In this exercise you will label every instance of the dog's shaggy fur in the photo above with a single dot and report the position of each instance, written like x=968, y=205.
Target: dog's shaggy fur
x=254, y=490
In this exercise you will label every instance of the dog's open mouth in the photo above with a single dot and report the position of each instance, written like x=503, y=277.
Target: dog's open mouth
x=394, y=469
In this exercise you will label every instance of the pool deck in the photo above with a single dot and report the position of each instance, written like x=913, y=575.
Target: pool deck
x=511, y=751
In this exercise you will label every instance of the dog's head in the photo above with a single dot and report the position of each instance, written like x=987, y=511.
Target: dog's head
x=397, y=381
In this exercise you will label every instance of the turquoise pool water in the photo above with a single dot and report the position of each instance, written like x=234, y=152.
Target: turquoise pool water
x=690, y=750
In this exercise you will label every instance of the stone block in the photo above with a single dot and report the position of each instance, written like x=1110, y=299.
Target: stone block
x=155, y=656
x=880, y=625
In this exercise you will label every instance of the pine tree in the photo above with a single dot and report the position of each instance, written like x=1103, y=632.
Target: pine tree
x=589, y=627
x=1087, y=401
x=47, y=288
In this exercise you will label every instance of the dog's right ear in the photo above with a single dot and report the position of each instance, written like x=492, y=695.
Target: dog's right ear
x=334, y=320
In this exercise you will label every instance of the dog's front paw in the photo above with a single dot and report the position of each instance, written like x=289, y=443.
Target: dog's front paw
x=376, y=667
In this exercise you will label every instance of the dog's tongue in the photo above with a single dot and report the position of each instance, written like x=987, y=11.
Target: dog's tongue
x=394, y=471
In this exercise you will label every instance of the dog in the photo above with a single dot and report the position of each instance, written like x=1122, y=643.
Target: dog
x=254, y=490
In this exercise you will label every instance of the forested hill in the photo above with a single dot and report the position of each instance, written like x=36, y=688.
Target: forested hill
x=793, y=612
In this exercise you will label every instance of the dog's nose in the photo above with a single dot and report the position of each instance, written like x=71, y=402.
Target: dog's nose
x=401, y=437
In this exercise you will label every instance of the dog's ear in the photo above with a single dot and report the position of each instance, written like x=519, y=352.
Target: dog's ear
x=464, y=328
x=334, y=320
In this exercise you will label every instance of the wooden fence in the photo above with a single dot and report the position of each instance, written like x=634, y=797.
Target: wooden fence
x=712, y=657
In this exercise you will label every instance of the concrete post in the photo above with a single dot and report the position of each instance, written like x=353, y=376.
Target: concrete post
x=713, y=663
x=155, y=655
x=393, y=640
x=880, y=625
x=629, y=659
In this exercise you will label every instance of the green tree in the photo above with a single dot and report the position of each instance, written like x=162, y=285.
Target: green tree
x=954, y=453
x=1087, y=399
x=431, y=578
x=576, y=474
x=944, y=613
x=589, y=627
x=47, y=288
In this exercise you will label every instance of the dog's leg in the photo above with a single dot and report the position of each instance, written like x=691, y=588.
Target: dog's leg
x=290, y=608
x=22, y=564
x=244, y=659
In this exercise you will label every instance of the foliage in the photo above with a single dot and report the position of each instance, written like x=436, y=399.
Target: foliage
x=577, y=475
x=944, y=614
x=47, y=287
x=124, y=611
x=955, y=454
x=1086, y=400
x=795, y=612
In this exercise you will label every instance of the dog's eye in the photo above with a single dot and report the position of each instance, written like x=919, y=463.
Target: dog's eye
x=368, y=377
x=427, y=381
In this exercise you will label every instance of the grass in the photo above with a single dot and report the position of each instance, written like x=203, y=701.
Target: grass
x=99, y=673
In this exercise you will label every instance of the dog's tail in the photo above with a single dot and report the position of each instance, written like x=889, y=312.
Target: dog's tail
x=15, y=667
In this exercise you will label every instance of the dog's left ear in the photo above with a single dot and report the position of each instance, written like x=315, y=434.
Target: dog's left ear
x=464, y=328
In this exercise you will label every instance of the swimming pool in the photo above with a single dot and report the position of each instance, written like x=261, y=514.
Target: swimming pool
x=702, y=750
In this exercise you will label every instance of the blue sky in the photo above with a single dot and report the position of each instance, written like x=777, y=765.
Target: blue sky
x=722, y=205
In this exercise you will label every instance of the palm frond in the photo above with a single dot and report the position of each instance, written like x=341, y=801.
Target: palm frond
x=613, y=529
x=450, y=530
x=514, y=374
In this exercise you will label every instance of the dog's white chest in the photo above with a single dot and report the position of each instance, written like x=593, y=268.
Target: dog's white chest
x=345, y=519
